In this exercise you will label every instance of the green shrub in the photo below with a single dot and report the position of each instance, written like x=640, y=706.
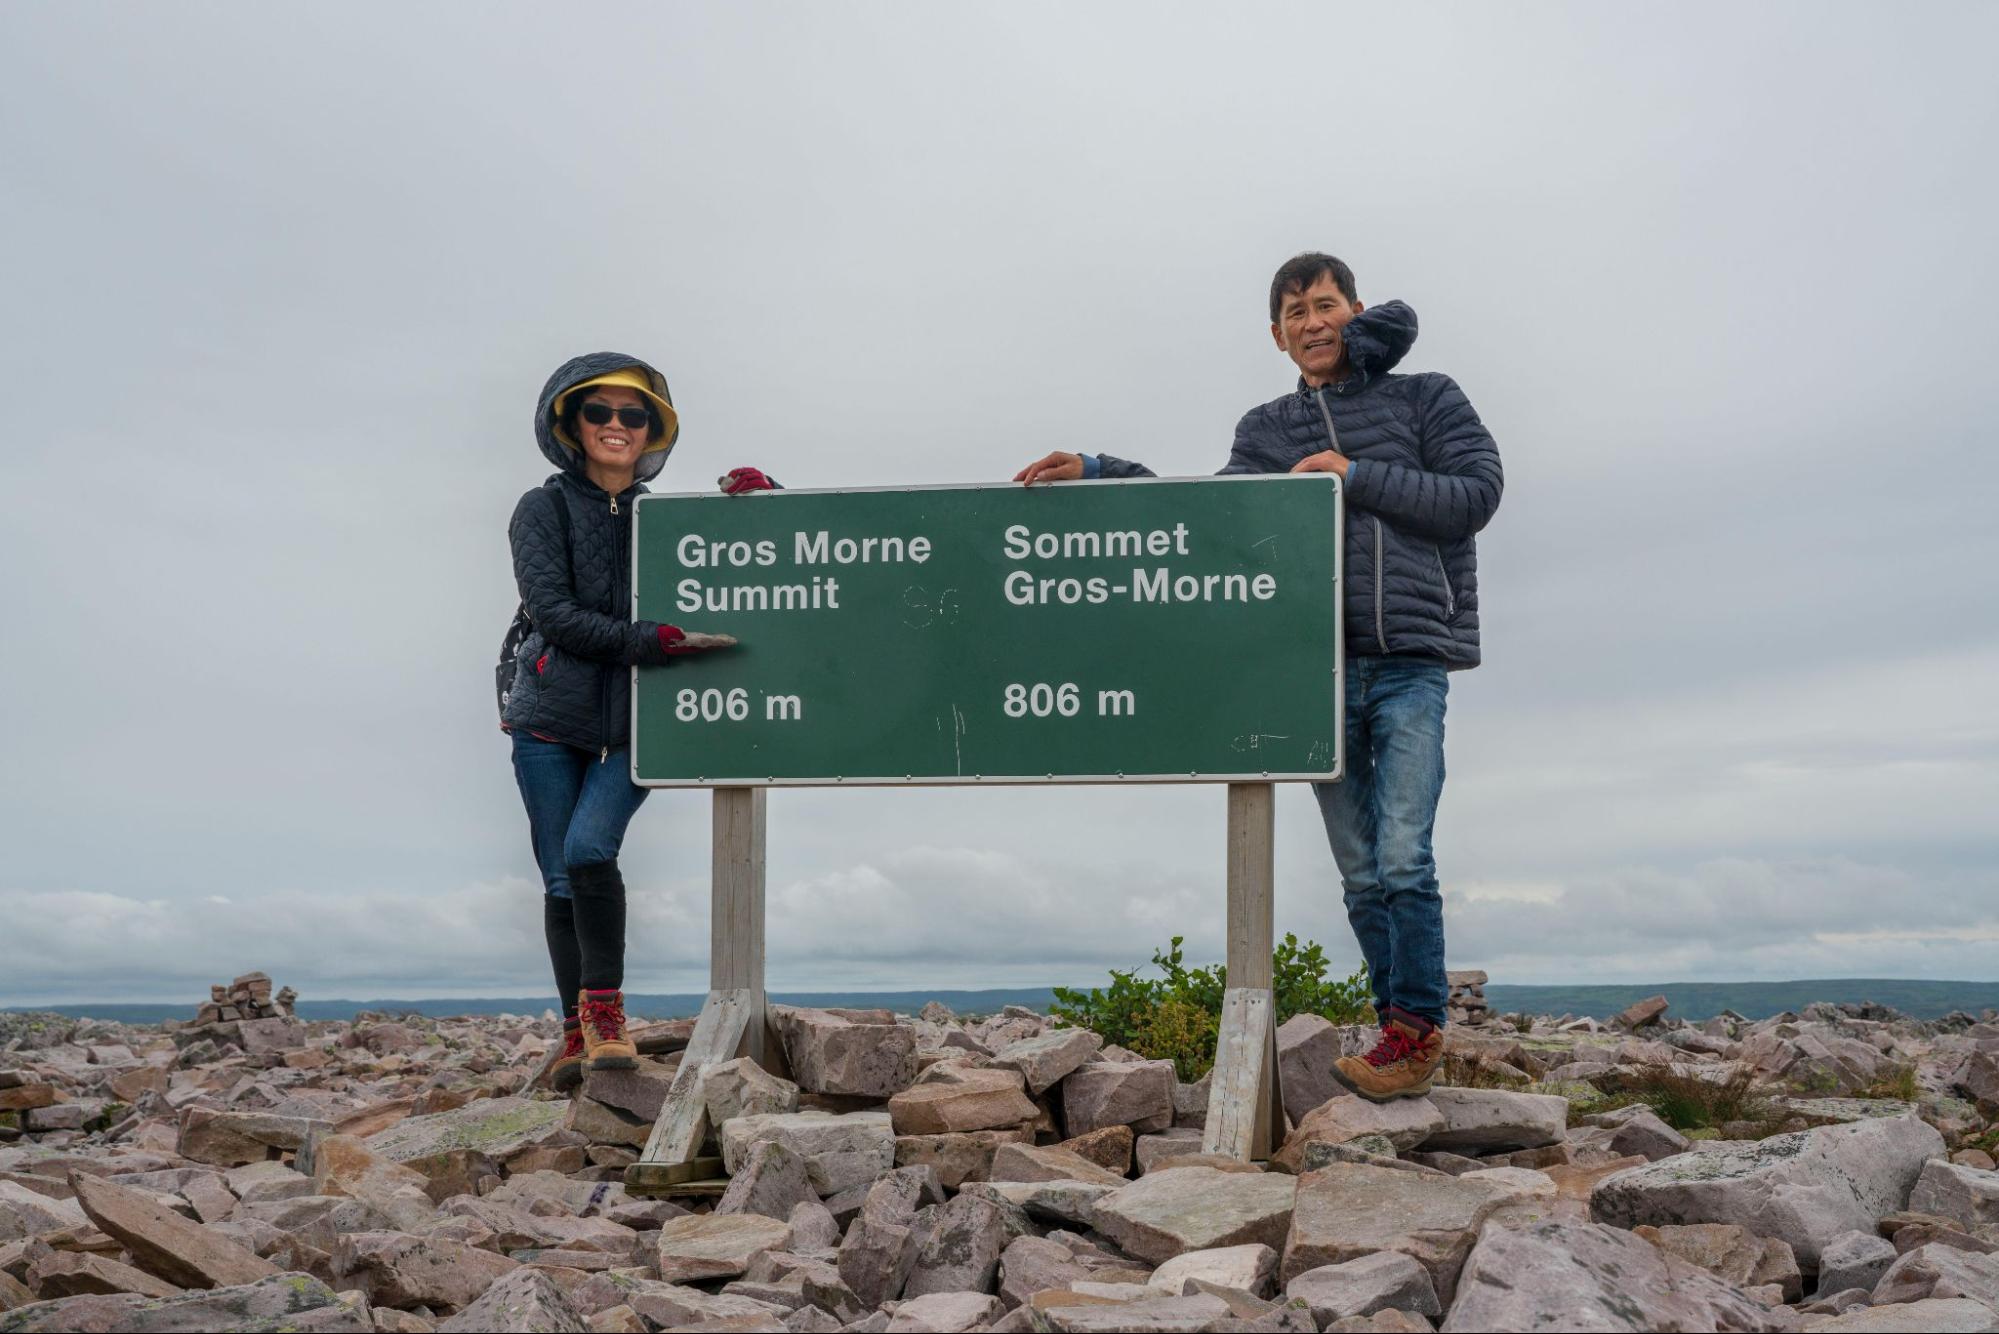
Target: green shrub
x=1175, y=1017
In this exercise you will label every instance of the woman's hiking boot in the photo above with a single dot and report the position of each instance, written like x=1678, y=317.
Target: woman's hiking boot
x=567, y=1072
x=606, y=1044
x=1401, y=1065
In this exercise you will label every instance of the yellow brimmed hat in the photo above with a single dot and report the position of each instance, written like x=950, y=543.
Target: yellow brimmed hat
x=631, y=377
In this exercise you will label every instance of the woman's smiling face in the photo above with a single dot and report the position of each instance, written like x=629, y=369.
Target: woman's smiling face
x=613, y=445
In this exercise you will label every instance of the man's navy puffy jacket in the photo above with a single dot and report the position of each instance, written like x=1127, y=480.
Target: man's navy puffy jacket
x=1425, y=479
x=574, y=682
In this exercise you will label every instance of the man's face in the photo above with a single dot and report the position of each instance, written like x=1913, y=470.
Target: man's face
x=1308, y=329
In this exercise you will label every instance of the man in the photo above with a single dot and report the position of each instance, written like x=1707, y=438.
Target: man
x=1422, y=477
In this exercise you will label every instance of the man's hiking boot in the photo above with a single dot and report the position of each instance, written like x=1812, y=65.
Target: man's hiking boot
x=1401, y=1065
x=567, y=1072
x=606, y=1045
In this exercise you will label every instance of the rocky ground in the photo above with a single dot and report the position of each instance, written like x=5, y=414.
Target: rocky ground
x=256, y=1172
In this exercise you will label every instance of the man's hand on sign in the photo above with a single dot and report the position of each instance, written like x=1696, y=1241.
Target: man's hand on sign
x=1330, y=460
x=677, y=641
x=742, y=481
x=1057, y=467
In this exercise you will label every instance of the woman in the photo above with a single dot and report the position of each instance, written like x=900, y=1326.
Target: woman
x=607, y=422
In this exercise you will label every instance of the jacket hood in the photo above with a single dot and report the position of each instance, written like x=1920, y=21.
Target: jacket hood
x=565, y=453
x=1378, y=338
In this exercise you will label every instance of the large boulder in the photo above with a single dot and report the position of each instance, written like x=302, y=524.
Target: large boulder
x=1574, y=1275
x=1803, y=1188
x=1732, y=1254
x=1965, y=1195
x=397, y=1269
x=962, y=1251
x=451, y=1148
x=1933, y=1315
x=863, y=1054
x=1251, y=1268
x=1383, y=1281
x=1164, y=1214
x=945, y=1313
x=1348, y=1210
x=1940, y=1270
x=1111, y=1093
x=527, y=1299
x=1405, y=1123
x=231, y=1139
x=771, y=1181
x=840, y=1151
x=881, y=1244
x=972, y=1100
x=280, y=1301
x=1043, y=1060
x=707, y=1246
x=1483, y=1120
x=1028, y=1162
x=743, y=1088
x=1307, y=1047
x=164, y=1243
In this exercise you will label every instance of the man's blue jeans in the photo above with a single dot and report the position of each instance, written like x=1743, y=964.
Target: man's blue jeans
x=1378, y=821
x=578, y=805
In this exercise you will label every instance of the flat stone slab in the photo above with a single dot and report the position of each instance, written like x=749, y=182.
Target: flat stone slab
x=1348, y=1210
x=1572, y=1275
x=495, y=1127
x=840, y=1151
x=1042, y=1061
x=1165, y=1214
x=164, y=1243
x=1804, y=1188
x=1966, y=1195
x=705, y=1246
x=1405, y=1123
x=1488, y=1119
x=280, y=1301
x=1109, y=1093
x=1934, y=1315
x=1250, y=1268
x=1386, y=1280
x=981, y=1100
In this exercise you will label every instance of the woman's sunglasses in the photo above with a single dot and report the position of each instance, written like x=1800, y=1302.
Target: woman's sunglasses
x=600, y=414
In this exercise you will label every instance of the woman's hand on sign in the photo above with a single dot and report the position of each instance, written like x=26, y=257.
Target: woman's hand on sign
x=677, y=641
x=1329, y=460
x=1057, y=467
x=742, y=481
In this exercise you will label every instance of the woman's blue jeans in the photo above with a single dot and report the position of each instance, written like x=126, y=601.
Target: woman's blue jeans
x=1379, y=821
x=578, y=805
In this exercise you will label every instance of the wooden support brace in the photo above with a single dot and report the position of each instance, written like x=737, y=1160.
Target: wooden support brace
x=682, y=1126
x=1244, y=1099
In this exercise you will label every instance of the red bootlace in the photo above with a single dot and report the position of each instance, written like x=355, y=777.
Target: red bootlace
x=1395, y=1045
x=572, y=1042
x=606, y=1018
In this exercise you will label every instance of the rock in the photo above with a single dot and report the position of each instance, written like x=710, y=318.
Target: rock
x=1251, y=1269
x=945, y=1313
x=1165, y=1214
x=1307, y=1047
x=1025, y=1162
x=1105, y=1093
x=1854, y=1260
x=277, y=1033
x=1109, y=1148
x=525, y=1300
x=1035, y=1264
x=813, y=1228
x=25, y=1212
x=1804, y=1188
x=28, y=1097
x=343, y=1165
x=1190, y=1102
x=162, y=1242
x=1730, y=1254
x=840, y=1151
x=1488, y=1119
x=231, y=1139
x=397, y=1269
x=1350, y=1210
x=667, y=1305
x=705, y=1246
x=601, y=1123
x=1930, y=1316
x=962, y=1251
x=982, y=1100
x=771, y=1181
x=1962, y=1194
x=959, y=1158
x=1071, y=1202
x=1383, y=1281
x=1643, y=1134
x=638, y=1092
x=1641, y=1013
x=881, y=1245
x=1150, y=1315
x=1940, y=1270
x=743, y=1088
x=830, y=1053
x=1046, y=1058
x=1174, y=1142
x=1574, y=1275
x=1405, y=1123
x=76, y=1274
x=452, y=1149
x=279, y=1302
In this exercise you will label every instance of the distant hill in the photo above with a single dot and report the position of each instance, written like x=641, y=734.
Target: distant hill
x=1689, y=1000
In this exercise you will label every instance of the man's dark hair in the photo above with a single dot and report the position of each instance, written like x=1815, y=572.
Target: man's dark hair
x=1301, y=271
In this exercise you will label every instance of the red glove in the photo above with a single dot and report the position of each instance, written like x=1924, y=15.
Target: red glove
x=739, y=481
x=676, y=641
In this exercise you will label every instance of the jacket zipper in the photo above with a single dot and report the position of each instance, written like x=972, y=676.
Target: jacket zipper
x=1450, y=594
x=603, y=678
x=1333, y=435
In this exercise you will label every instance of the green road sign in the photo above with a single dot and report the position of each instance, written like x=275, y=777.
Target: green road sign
x=1141, y=631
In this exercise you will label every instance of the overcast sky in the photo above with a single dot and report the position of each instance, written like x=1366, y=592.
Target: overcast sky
x=282, y=282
